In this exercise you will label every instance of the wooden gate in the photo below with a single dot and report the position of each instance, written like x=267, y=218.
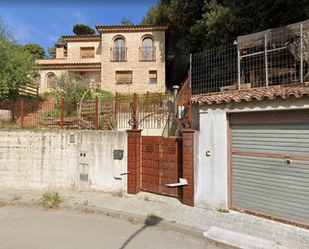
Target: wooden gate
x=161, y=164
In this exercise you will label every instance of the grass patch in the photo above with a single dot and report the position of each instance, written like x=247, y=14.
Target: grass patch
x=223, y=211
x=51, y=200
x=152, y=216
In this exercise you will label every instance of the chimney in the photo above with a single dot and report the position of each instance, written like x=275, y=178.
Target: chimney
x=59, y=50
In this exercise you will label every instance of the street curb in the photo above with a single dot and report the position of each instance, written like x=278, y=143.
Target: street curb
x=163, y=224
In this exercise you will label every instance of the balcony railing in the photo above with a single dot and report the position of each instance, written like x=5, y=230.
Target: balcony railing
x=147, y=53
x=118, y=54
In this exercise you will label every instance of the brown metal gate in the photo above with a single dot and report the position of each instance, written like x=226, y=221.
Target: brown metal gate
x=161, y=164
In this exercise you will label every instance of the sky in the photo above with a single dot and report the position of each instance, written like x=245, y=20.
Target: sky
x=43, y=22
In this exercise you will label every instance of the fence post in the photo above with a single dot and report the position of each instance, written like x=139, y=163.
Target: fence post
x=188, y=166
x=115, y=112
x=134, y=162
x=147, y=102
x=266, y=60
x=189, y=102
x=62, y=112
x=190, y=70
x=134, y=111
x=96, y=120
x=116, y=102
x=22, y=114
x=301, y=54
x=238, y=69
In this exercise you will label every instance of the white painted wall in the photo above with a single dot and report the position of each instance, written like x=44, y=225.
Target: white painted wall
x=211, y=171
x=47, y=159
x=5, y=115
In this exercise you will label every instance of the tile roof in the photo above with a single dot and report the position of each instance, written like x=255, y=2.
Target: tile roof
x=67, y=65
x=81, y=37
x=123, y=28
x=261, y=93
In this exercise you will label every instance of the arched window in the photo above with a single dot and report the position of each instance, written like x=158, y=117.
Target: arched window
x=51, y=80
x=37, y=79
x=119, y=50
x=148, y=49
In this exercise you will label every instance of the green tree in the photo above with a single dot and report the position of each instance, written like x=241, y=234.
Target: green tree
x=217, y=26
x=126, y=21
x=180, y=16
x=223, y=22
x=71, y=89
x=196, y=24
x=36, y=50
x=17, y=66
x=82, y=29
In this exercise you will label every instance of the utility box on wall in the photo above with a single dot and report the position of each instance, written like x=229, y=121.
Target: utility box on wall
x=83, y=172
x=118, y=154
x=83, y=157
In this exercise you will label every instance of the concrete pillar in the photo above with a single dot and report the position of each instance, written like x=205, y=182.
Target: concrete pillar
x=134, y=160
x=188, y=166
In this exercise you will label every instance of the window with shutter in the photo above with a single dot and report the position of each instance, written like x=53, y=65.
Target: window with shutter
x=119, y=50
x=153, y=77
x=87, y=52
x=37, y=80
x=51, y=80
x=147, y=50
x=124, y=77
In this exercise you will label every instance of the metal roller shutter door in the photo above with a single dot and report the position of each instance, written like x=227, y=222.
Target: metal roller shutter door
x=262, y=178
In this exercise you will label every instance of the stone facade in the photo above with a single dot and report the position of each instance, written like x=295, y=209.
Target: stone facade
x=147, y=74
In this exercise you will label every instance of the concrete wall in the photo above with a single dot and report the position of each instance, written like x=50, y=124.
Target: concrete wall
x=5, y=115
x=211, y=172
x=49, y=159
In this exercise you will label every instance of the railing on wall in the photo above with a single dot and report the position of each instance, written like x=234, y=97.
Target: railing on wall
x=272, y=57
x=152, y=112
x=147, y=53
x=184, y=103
x=118, y=54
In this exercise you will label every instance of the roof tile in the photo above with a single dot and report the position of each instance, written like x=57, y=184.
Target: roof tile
x=259, y=94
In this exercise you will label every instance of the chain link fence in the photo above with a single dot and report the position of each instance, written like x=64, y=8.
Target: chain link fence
x=277, y=56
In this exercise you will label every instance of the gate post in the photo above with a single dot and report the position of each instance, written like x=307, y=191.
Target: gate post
x=134, y=160
x=188, y=166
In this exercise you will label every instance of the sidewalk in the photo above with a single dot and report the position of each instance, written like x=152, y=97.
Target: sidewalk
x=235, y=229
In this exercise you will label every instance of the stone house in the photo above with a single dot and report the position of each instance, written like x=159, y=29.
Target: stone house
x=121, y=58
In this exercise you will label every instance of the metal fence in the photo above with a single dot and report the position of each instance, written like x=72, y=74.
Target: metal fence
x=152, y=111
x=277, y=56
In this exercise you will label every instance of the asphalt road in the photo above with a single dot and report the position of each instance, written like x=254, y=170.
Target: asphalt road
x=34, y=228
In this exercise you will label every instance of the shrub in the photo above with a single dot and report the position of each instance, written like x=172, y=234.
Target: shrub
x=51, y=200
